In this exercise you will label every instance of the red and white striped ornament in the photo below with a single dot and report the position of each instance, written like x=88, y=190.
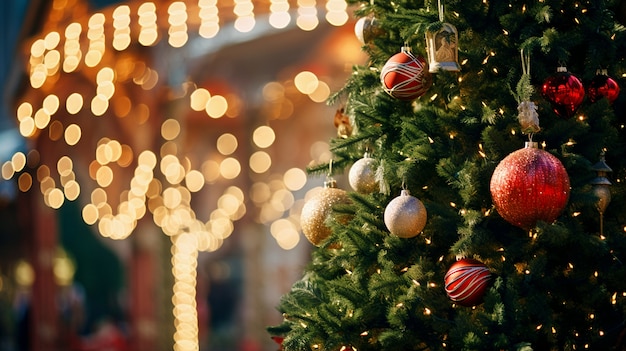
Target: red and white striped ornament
x=405, y=76
x=466, y=282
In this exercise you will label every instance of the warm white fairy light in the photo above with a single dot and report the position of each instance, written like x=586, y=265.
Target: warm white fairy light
x=177, y=32
x=279, y=16
x=336, y=14
x=148, y=33
x=71, y=50
x=209, y=18
x=244, y=10
x=95, y=34
x=307, y=15
x=121, y=23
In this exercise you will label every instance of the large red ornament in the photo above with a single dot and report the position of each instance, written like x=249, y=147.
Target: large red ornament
x=530, y=185
x=405, y=76
x=602, y=86
x=564, y=91
x=466, y=282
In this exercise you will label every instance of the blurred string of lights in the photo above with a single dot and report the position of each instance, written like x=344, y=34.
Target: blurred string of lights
x=162, y=181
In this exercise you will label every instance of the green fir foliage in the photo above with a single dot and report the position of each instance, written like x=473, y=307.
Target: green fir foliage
x=556, y=286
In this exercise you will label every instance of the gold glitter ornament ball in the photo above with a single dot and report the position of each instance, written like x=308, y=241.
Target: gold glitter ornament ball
x=405, y=216
x=317, y=210
x=362, y=175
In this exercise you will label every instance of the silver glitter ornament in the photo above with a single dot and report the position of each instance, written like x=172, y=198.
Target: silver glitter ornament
x=405, y=216
x=362, y=175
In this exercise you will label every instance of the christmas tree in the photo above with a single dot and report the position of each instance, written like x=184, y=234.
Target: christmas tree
x=486, y=156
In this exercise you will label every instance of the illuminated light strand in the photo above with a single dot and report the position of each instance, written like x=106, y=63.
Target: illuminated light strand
x=244, y=12
x=336, y=13
x=177, y=19
x=121, y=23
x=209, y=18
x=279, y=16
x=307, y=15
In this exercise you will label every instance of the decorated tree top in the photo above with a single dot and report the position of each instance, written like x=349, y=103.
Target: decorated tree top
x=522, y=248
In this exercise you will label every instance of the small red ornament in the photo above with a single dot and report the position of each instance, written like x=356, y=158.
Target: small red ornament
x=602, y=86
x=530, y=185
x=279, y=340
x=466, y=282
x=564, y=91
x=405, y=76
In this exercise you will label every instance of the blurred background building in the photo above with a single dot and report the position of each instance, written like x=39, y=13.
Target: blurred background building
x=153, y=166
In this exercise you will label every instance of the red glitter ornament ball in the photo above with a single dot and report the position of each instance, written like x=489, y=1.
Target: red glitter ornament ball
x=405, y=76
x=602, y=86
x=530, y=185
x=466, y=282
x=564, y=91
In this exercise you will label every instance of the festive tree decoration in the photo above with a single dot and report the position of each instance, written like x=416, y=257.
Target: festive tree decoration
x=405, y=215
x=602, y=86
x=526, y=109
x=530, y=185
x=317, y=210
x=467, y=281
x=601, y=184
x=405, y=76
x=278, y=340
x=342, y=123
x=362, y=175
x=564, y=91
x=538, y=274
x=442, y=49
x=366, y=29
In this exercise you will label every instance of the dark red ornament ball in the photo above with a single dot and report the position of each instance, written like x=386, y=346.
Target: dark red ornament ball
x=602, y=86
x=530, y=185
x=466, y=282
x=405, y=76
x=564, y=91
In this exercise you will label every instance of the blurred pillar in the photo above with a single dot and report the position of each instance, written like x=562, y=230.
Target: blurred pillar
x=143, y=287
x=44, y=315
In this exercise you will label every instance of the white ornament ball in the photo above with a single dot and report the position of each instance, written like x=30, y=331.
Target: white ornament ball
x=362, y=175
x=405, y=216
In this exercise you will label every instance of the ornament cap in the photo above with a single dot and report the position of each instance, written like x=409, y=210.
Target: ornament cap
x=561, y=69
x=601, y=72
x=531, y=144
x=405, y=192
x=601, y=165
x=330, y=183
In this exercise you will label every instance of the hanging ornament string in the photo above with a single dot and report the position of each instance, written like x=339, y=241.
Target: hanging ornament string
x=440, y=8
x=527, y=110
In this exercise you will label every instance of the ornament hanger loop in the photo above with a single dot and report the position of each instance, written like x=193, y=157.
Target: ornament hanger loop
x=440, y=9
x=525, y=62
x=330, y=168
